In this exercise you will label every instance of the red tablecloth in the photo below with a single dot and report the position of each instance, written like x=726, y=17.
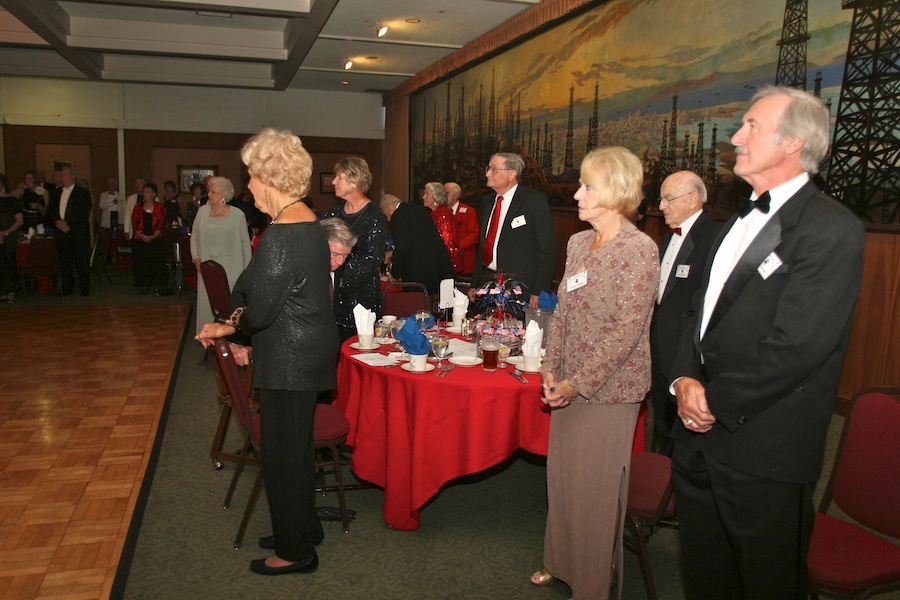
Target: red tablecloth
x=411, y=433
x=43, y=283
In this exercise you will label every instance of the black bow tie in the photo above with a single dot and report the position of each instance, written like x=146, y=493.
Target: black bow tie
x=747, y=205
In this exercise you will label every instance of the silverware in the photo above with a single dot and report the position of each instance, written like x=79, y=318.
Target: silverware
x=449, y=368
x=440, y=371
x=518, y=375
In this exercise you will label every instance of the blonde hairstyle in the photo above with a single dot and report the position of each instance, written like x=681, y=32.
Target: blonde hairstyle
x=356, y=170
x=278, y=159
x=622, y=177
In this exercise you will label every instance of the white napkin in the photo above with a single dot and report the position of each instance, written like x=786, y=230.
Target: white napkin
x=534, y=335
x=460, y=302
x=462, y=348
x=365, y=319
x=373, y=359
x=447, y=290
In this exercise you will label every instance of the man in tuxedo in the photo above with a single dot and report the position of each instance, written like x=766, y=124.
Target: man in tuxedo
x=419, y=252
x=759, y=359
x=466, y=226
x=69, y=214
x=684, y=252
x=515, y=236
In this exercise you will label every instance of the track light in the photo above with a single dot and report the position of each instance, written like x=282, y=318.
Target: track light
x=382, y=29
x=348, y=64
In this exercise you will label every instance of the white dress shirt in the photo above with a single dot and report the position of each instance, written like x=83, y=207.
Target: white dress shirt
x=504, y=208
x=671, y=253
x=64, y=201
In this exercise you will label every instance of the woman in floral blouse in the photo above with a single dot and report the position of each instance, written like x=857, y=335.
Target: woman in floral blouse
x=595, y=375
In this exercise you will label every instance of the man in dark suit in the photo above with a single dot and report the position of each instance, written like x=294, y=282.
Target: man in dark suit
x=419, y=252
x=466, y=226
x=758, y=364
x=516, y=232
x=684, y=252
x=69, y=214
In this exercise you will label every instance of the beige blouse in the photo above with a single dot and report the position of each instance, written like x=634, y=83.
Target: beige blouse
x=600, y=336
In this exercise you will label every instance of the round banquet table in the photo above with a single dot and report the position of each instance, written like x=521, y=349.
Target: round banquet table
x=411, y=432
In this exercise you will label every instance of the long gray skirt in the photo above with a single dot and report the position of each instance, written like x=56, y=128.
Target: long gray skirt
x=588, y=460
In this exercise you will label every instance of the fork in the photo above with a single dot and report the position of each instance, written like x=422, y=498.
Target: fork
x=518, y=375
x=441, y=371
x=447, y=369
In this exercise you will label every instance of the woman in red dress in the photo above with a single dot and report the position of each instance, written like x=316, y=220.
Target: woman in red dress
x=435, y=198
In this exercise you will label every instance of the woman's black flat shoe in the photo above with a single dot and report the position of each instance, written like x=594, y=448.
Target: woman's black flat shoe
x=301, y=566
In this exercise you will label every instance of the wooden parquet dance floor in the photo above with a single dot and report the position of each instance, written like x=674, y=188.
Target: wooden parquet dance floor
x=81, y=392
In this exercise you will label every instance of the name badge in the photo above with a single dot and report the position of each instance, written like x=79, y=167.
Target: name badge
x=769, y=265
x=682, y=271
x=463, y=209
x=518, y=221
x=576, y=281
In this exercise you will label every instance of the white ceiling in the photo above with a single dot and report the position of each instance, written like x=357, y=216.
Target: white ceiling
x=259, y=44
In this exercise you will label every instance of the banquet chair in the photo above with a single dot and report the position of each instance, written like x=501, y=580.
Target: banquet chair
x=330, y=429
x=188, y=269
x=100, y=253
x=404, y=298
x=650, y=500
x=123, y=249
x=847, y=560
x=215, y=280
x=42, y=261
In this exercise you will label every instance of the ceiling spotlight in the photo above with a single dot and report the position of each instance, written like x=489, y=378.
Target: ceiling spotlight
x=412, y=21
x=348, y=64
x=382, y=29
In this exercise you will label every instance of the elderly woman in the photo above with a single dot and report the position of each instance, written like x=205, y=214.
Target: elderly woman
x=220, y=234
x=360, y=275
x=283, y=304
x=435, y=198
x=148, y=250
x=595, y=374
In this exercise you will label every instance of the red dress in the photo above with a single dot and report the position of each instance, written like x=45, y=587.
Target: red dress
x=446, y=226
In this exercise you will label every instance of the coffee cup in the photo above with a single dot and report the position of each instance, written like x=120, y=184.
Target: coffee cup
x=366, y=340
x=458, y=317
x=531, y=363
x=417, y=362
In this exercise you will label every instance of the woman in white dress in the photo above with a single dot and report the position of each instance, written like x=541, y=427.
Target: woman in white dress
x=219, y=234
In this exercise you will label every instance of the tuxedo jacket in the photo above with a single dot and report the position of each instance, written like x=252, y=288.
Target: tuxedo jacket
x=526, y=252
x=77, y=217
x=419, y=252
x=467, y=234
x=679, y=292
x=771, y=356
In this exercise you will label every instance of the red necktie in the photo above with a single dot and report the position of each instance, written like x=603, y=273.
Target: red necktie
x=675, y=230
x=487, y=251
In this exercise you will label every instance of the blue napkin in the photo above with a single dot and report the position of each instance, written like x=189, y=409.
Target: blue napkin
x=412, y=340
x=547, y=301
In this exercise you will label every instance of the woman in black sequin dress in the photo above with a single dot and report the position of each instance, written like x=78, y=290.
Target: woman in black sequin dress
x=358, y=281
x=282, y=302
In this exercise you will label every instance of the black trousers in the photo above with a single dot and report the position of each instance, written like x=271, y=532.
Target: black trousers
x=665, y=411
x=288, y=469
x=741, y=536
x=74, y=253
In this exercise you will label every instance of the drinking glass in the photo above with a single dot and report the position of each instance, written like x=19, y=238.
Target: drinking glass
x=439, y=345
x=503, y=353
x=490, y=348
x=422, y=318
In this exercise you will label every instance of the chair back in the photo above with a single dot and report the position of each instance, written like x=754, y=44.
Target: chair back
x=215, y=279
x=865, y=480
x=187, y=259
x=239, y=394
x=43, y=259
x=404, y=298
x=122, y=244
x=101, y=249
x=650, y=494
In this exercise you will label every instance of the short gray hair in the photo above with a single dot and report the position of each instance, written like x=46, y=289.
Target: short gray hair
x=225, y=187
x=436, y=189
x=513, y=161
x=806, y=117
x=388, y=200
x=337, y=230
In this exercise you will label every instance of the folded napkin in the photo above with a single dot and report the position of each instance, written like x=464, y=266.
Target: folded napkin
x=446, y=296
x=460, y=302
x=547, y=301
x=412, y=340
x=534, y=335
x=365, y=319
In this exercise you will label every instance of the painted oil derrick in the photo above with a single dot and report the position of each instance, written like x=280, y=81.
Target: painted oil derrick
x=865, y=156
x=713, y=156
x=594, y=125
x=669, y=163
x=791, y=70
x=569, y=158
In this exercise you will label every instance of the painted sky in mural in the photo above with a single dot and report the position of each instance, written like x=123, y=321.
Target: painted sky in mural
x=712, y=53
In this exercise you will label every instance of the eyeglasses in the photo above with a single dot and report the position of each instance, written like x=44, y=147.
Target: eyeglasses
x=671, y=200
x=493, y=170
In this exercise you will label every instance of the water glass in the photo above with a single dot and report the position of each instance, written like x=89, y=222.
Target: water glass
x=422, y=318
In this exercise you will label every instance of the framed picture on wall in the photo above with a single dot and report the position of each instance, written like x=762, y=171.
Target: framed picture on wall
x=326, y=183
x=188, y=175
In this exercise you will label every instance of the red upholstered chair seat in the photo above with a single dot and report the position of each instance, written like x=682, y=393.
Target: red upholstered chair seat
x=651, y=474
x=330, y=423
x=845, y=558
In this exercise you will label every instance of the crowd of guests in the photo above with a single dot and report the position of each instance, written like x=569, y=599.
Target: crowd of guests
x=740, y=330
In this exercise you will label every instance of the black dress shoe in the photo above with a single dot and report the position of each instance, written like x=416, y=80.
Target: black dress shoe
x=268, y=542
x=301, y=566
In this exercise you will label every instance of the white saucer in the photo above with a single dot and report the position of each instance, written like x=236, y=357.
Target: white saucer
x=465, y=361
x=356, y=346
x=527, y=371
x=514, y=360
x=428, y=367
x=456, y=330
x=384, y=340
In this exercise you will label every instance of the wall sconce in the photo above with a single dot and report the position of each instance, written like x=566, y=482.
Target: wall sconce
x=381, y=29
x=348, y=64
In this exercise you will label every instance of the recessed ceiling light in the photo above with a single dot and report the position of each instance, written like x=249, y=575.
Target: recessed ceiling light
x=348, y=64
x=371, y=58
x=345, y=83
x=382, y=29
x=413, y=21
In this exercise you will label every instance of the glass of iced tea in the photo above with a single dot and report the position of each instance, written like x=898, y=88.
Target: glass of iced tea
x=490, y=349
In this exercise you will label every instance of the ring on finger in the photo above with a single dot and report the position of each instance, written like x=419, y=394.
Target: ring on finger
x=688, y=422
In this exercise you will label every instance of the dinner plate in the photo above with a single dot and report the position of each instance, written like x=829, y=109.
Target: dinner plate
x=456, y=330
x=356, y=346
x=524, y=370
x=514, y=360
x=384, y=340
x=428, y=367
x=465, y=361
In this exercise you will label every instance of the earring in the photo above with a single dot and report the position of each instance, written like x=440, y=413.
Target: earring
x=354, y=186
x=222, y=202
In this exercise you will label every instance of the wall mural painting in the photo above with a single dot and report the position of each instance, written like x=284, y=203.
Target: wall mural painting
x=668, y=80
